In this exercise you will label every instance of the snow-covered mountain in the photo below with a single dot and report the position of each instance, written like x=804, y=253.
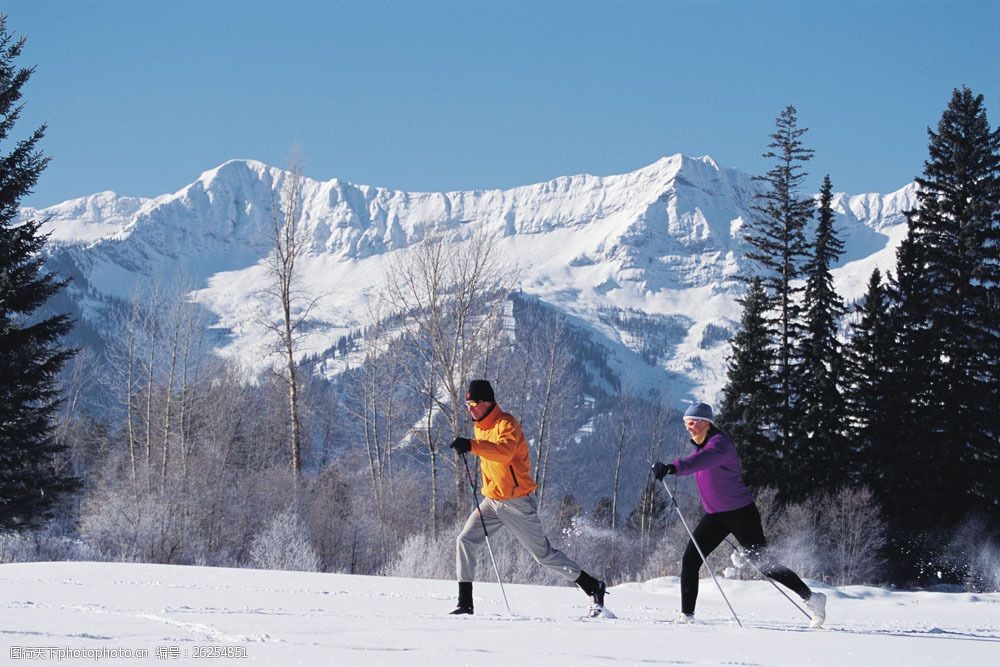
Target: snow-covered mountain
x=663, y=241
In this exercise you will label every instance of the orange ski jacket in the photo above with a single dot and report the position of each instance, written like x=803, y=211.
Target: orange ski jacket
x=503, y=452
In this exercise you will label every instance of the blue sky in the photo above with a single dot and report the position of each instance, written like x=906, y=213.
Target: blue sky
x=142, y=96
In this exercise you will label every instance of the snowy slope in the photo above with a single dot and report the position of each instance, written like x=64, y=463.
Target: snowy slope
x=284, y=618
x=88, y=219
x=664, y=240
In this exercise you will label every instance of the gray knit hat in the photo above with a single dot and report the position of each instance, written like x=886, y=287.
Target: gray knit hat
x=700, y=411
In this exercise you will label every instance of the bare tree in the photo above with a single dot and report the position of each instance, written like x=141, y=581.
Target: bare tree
x=380, y=375
x=452, y=295
x=152, y=363
x=175, y=325
x=290, y=242
x=658, y=428
x=193, y=363
x=626, y=398
x=132, y=360
x=76, y=383
x=130, y=355
x=853, y=531
x=151, y=330
x=554, y=392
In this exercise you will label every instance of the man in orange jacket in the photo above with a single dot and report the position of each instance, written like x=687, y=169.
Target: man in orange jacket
x=509, y=499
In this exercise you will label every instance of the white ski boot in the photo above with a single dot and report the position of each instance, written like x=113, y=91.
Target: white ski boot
x=817, y=607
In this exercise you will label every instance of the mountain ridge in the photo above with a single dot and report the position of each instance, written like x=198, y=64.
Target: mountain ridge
x=664, y=239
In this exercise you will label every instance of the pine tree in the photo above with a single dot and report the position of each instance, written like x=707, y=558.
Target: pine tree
x=958, y=223
x=868, y=397
x=908, y=461
x=945, y=316
x=30, y=355
x=957, y=226
x=749, y=403
x=820, y=431
x=777, y=235
x=883, y=424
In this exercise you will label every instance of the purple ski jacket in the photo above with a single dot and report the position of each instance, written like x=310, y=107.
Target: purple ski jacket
x=717, y=472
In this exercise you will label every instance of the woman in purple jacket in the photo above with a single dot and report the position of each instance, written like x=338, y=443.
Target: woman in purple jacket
x=729, y=508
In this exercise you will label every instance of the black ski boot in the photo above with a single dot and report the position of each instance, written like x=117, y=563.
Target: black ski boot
x=464, y=598
x=597, y=599
x=595, y=589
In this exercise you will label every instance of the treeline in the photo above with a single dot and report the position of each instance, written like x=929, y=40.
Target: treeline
x=906, y=402
x=653, y=337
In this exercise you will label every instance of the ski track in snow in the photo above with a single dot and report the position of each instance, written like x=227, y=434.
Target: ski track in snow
x=207, y=632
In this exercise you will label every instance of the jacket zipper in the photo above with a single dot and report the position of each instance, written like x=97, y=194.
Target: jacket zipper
x=513, y=476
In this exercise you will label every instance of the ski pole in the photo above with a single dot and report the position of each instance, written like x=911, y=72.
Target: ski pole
x=486, y=533
x=761, y=572
x=700, y=552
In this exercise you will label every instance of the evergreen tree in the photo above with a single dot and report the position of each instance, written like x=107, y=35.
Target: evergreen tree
x=945, y=316
x=820, y=431
x=885, y=425
x=870, y=360
x=957, y=223
x=908, y=461
x=30, y=355
x=777, y=235
x=749, y=403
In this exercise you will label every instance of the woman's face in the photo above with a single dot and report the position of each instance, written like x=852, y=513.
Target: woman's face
x=696, y=427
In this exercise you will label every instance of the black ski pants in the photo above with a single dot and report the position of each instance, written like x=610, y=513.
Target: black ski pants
x=744, y=524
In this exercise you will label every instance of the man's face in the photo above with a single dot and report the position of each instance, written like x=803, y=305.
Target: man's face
x=478, y=409
x=696, y=427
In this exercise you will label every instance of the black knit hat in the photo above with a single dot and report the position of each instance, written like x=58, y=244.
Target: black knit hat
x=480, y=390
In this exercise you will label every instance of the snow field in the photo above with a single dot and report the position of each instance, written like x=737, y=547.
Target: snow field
x=291, y=618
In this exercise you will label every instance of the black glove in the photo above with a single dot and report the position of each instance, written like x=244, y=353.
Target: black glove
x=461, y=445
x=661, y=470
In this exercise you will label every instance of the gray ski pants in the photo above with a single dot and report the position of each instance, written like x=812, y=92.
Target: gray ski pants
x=520, y=516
